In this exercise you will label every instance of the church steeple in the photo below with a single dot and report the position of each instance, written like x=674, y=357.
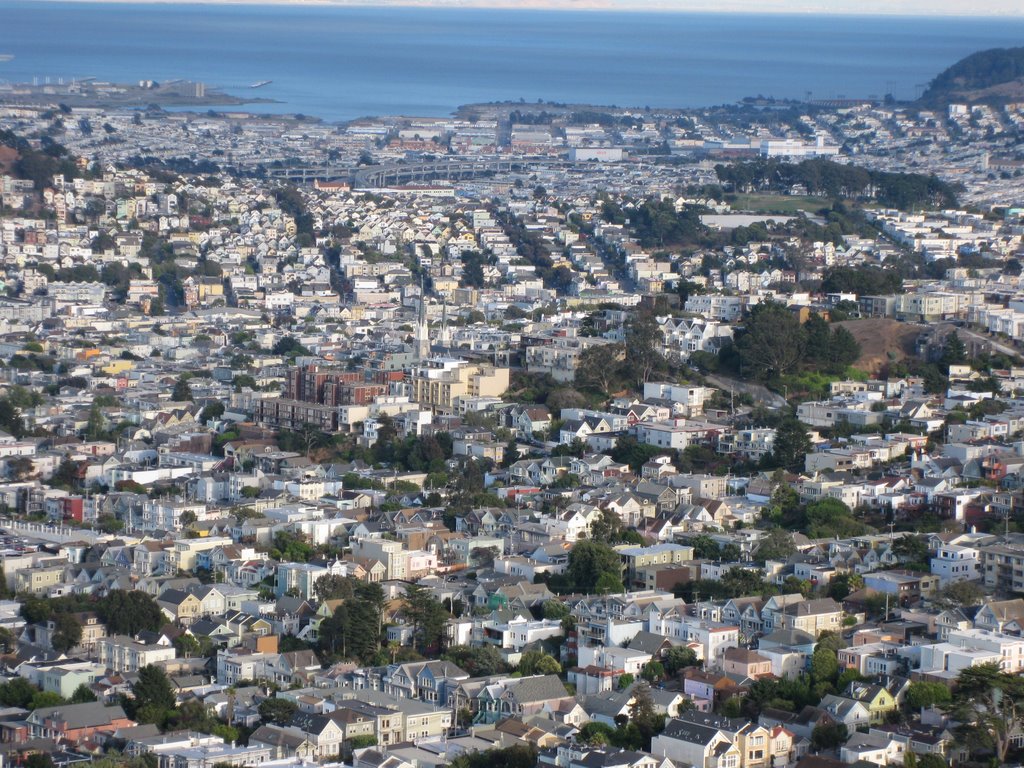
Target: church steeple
x=422, y=329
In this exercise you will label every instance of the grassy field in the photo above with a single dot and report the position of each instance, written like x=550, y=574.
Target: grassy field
x=778, y=203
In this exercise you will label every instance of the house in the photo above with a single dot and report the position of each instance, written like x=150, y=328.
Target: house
x=492, y=699
x=689, y=743
x=124, y=655
x=428, y=681
x=879, y=700
x=997, y=615
x=813, y=616
x=707, y=690
x=873, y=747
x=741, y=664
x=324, y=733
x=180, y=607
x=850, y=712
x=284, y=742
x=76, y=723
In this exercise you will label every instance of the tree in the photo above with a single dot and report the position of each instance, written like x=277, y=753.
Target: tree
x=598, y=367
x=82, y=695
x=792, y=444
x=588, y=561
x=625, y=680
x=538, y=663
x=426, y=615
x=678, y=658
x=960, y=593
x=704, y=547
x=843, y=350
x=607, y=528
x=772, y=343
x=354, y=631
x=17, y=692
x=912, y=550
x=818, y=336
x=479, y=662
x=643, y=715
x=153, y=697
x=517, y=756
x=95, y=427
x=333, y=587
x=595, y=734
x=130, y=612
x=277, y=711
x=653, y=671
x=828, y=518
x=824, y=665
x=989, y=704
x=953, y=351
x=842, y=585
x=67, y=633
x=776, y=545
x=39, y=760
x=46, y=699
x=829, y=736
x=555, y=609
x=20, y=468
x=644, y=341
x=182, y=391
x=922, y=694
x=212, y=410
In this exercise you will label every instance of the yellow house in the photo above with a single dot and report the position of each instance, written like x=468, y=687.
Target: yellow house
x=877, y=699
x=115, y=367
x=180, y=607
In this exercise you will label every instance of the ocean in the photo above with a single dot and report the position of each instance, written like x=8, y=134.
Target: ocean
x=343, y=63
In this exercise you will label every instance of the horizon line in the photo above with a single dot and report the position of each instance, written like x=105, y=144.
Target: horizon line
x=849, y=8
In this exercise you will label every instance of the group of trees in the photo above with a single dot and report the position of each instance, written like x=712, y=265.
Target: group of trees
x=605, y=368
x=13, y=403
x=153, y=700
x=354, y=630
x=863, y=281
x=656, y=223
x=124, y=612
x=633, y=732
x=987, y=703
x=774, y=343
x=40, y=165
x=594, y=568
x=825, y=518
x=19, y=692
x=835, y=180
x=530, y=246
x=427, y=617
x=517, y=756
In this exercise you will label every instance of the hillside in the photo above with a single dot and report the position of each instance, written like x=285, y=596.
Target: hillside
x=881, y=340
x=994, y=76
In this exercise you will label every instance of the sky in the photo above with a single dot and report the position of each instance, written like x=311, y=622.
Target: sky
x=819, y=7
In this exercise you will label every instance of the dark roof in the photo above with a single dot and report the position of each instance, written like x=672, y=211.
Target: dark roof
x=690, y=732
x=91, y=714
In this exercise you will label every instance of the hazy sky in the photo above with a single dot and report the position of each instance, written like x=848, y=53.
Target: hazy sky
x=864, y=7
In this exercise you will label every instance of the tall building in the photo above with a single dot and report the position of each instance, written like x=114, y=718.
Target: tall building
x=436, y=383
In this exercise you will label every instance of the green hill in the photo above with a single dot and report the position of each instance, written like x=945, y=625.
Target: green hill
x=995, y=76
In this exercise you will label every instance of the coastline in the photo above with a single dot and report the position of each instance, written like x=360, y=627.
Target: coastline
x=993, y=9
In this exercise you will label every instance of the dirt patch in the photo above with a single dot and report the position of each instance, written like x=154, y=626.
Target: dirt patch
x=8, y=157
x=881, y=340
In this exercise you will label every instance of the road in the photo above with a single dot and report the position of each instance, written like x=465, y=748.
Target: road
x=760, y=393
x=980, y=338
